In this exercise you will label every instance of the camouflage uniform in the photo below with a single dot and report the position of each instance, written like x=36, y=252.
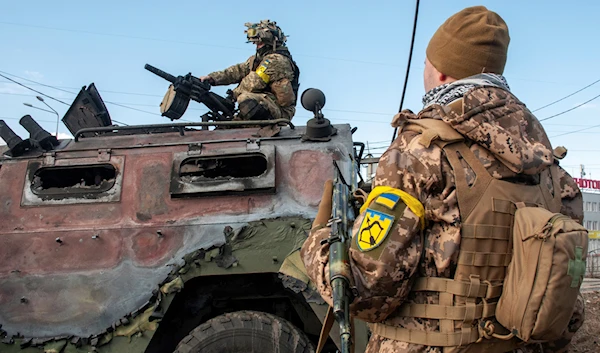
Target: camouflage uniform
x=265, y=78
x=512, y=145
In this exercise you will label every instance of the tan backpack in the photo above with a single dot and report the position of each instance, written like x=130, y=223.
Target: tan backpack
x=544, y=275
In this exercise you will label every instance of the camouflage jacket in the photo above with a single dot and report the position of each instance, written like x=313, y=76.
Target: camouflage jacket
x=271, y=74
x=508, y=140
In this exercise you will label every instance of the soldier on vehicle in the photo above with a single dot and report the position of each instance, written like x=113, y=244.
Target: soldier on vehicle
x=440, y=214
x=268, y=80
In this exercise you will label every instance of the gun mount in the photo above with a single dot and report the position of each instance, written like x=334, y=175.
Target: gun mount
x=184, y=88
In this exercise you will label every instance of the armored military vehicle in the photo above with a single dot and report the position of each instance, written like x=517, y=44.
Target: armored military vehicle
x=163, y=238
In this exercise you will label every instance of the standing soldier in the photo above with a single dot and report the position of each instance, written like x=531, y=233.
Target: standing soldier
x=431, y=245
x=268, y=80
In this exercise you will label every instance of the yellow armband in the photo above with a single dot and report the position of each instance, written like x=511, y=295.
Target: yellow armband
x=261, y=71
x=389, y=197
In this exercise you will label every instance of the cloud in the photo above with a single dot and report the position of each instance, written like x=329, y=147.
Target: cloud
x=34, y=75
x=11, y=88
x=64, y=136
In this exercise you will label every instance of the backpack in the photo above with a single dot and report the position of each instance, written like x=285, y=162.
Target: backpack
x=544, y=275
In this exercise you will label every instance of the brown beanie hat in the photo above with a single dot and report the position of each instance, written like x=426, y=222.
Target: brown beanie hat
x=470, y=42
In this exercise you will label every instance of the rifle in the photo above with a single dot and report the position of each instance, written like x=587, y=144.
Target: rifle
x=343, y=213
x=189, y=87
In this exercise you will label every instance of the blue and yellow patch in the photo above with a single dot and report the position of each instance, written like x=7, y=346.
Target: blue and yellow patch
x=261, y=71
x=373, y=230
x=388, y=200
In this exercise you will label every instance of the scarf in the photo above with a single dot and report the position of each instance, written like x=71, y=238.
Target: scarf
x=449, y=92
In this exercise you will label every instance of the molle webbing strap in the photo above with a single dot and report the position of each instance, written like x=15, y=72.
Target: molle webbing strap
x=446, y=325
x=485, y=231
x=451, y=312
x=427, y=338
x=463, y=289
x=478, y=259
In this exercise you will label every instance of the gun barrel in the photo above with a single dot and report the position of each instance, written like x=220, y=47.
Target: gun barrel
x=161, y=73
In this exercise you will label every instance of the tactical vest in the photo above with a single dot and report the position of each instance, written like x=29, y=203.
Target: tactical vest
x=296, y=81
x=467, y=303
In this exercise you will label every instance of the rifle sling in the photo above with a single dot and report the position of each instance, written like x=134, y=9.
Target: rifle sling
x=327, y=325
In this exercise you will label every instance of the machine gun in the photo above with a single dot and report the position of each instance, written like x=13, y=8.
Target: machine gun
x=184, y=88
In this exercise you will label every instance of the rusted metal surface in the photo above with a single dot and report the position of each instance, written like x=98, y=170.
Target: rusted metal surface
x=114, y=252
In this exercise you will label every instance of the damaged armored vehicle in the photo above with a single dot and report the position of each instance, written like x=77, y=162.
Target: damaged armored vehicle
x=174, y=237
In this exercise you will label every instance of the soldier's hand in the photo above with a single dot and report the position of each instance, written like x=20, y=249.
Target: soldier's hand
x=324, y=212
x=207, y=78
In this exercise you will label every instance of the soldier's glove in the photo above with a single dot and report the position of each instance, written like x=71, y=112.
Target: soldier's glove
x=324, y=213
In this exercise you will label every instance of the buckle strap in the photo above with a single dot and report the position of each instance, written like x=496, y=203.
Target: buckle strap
x=427, y=338
x=435, y=284
x=441, y=312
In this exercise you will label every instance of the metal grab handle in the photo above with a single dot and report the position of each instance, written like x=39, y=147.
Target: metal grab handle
x=182, y=125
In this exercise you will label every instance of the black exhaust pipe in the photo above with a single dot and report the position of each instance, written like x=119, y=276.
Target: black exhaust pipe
x=37, y=133
x=17, y=145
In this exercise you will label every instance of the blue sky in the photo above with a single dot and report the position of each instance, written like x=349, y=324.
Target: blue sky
x=354, y=51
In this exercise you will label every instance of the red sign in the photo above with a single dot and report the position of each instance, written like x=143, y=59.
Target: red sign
x=588, y=183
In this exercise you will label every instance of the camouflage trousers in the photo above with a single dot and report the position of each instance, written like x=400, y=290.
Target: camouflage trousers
x=269, y=103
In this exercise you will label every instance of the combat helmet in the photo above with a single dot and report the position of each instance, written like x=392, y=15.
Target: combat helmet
x=265, y=31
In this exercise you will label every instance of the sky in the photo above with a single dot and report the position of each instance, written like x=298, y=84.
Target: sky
x=355, y=52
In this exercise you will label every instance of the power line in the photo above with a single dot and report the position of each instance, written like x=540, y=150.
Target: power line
x=568, y=110
x=170, y=41
x=60, y=89
x=114, y=103
x=31, y=89
x=123, y=105
x=359, y=112
x=103, y=91
x=576, y=131
x=565, y=97
x=412, y=44
x=153, y=95
x=206, y=109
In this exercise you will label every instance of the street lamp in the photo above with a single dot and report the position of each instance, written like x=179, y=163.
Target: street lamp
x=55, y=112
x=38, y=108
x=49, y=111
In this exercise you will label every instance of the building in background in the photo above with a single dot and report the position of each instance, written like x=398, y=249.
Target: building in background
x=591, y=220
